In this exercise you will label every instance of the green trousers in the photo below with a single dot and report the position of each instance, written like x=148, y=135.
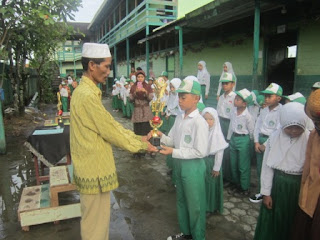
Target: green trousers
x=64, y=101
x=226, y=155
x=203, y=93
x=240, y=158
x=191, y=197
x=129, y=109
x=259, y=157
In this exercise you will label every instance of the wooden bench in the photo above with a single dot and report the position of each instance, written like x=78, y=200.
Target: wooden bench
x=40, y=204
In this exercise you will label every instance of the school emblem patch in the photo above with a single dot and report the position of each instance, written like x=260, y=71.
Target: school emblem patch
x=187, y=139
x=271, y=123
x=228, y=110
x=239, y=127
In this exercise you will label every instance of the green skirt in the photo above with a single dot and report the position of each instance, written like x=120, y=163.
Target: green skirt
x=226, y=155
x=214, y=188
x=124, y=109
x=276, y=223
x=129, y=109
x=115, y=102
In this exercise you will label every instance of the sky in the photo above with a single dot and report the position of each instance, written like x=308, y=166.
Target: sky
x=88, y=10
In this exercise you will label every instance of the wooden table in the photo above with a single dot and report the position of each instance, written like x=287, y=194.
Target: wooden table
x=48, y=150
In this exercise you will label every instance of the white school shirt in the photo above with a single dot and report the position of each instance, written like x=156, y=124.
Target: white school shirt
x=64, y=92
x=188, y=136
x=205, y=80
x=267, y=172
x=225, y=105
x=267, y=122
x=241, y=124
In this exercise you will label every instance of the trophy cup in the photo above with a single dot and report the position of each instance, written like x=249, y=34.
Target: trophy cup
x=157, y=106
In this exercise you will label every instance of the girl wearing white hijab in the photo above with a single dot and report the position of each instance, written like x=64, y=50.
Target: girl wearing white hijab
x=203, y=77
x=227, y=67
x=216, y=146
x=281, y=172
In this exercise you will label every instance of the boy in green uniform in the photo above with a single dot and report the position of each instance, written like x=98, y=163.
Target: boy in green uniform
x=240, y=133
x=267, y=122
x=187, y=141
x=224, y=108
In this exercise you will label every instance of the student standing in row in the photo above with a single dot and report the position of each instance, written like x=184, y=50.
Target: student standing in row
x=267, y=123
x=240, y=133
x=187, y=141
x=224, y=108
x=282, y=167
x=227, y=68
x=216, y=146
x=203, y=77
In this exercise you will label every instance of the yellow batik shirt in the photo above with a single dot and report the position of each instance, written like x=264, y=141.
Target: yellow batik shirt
x=92, y=132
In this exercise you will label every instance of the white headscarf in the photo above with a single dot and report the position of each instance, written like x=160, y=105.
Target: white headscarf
x=173, y=101
x=123, y=79
x=285, y=153
x=204, y=72
x=216, y=138
x=229, y=69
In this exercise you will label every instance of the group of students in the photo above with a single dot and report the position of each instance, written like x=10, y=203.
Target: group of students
x=205, y=146
x=66, y=89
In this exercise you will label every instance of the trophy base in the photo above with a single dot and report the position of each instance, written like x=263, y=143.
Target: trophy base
x=155, y=141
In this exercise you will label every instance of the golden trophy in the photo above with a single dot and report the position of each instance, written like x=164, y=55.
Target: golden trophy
x=157, y=106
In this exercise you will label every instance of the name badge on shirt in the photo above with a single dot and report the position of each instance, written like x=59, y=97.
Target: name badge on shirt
x=187, y=139
x=271, y=123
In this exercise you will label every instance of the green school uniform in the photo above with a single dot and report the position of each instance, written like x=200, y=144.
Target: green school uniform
x=224, y=122
x=214, y=187
x=191, y=200
x=276, y=223
x=64, y=101
x=240, y=157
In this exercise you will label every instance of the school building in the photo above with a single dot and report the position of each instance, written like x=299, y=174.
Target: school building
x=68, y=55
x=265, y=40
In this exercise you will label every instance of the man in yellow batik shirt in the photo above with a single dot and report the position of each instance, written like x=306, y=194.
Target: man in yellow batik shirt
x=92, y=132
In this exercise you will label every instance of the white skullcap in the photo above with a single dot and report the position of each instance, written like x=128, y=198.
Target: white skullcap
x=95, y=50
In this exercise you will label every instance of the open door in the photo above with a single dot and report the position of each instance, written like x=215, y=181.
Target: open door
x=281, y=60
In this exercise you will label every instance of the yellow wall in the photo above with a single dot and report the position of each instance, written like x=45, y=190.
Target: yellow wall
x=186, y=6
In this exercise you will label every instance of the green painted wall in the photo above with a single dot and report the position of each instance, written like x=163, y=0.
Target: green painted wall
x=186, y=6
x=308, y=59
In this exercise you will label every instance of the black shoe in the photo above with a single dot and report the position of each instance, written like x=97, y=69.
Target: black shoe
x=256, y=198
x=180, y=236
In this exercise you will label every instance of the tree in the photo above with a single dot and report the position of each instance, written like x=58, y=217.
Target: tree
x=31, y=30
